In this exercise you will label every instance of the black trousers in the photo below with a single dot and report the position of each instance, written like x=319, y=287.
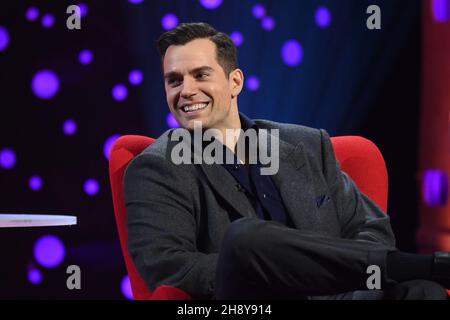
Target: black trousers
x=266, y=260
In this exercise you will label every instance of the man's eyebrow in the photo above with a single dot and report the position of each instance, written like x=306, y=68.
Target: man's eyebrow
x=202, y=68
x=195, y=70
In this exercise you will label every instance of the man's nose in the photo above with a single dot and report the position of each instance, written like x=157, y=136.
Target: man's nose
x=189, y=88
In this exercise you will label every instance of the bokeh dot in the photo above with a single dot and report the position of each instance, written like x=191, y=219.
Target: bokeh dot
x=135, y=77
x=252, y=83
x=83, y=9
x=237, y=38
x=125, y=286
x=48, y=20
x=211, y=4
x=323, y=17
x=7, y=158
x=292, y=53
x=49, y=251
x=69, y=127
x=32, y=14
x=35, y=183
x=171, y=121
x=268, y=23
x=4, y=38
x=120, y=92
x=85, y=57
x=107, y=146
x=45, y=84
x=34, y=276
x=441, y=10
x=259, y=11
x=169, y=21
x=91, y=187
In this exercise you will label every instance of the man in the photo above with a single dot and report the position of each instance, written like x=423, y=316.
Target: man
x=226, y=231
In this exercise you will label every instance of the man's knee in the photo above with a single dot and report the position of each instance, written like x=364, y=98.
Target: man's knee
x=242, y=237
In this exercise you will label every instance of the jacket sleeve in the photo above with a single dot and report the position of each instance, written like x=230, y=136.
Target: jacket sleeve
x=360, y=218
x=162, y=227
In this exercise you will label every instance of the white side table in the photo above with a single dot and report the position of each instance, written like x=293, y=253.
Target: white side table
x=35, y=220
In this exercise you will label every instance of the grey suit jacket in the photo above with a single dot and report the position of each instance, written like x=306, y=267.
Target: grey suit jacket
x=177, y=215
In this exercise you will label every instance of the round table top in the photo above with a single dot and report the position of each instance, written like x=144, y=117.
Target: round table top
x=35, y=220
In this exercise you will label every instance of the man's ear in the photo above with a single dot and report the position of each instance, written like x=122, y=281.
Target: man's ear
x=236, y=81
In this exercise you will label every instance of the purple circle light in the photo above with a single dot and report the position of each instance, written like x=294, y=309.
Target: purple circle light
x=69, y=127
x=211, y=4
x=4, y=38
x=119, y=92
x=107, y=146
x=7, y=158
x=83, y=9
x=259, y=11
x=91, y=187
x=48, y=20
x=292, y=53
x=34, y=276
x=49, y=251
x=323, y=17
x=135, y=1
x=171, y=121
x=268, y=23
x=135, y=77
x=32, y=14
x=435, y=187
x=45, y=84
x=35, y=183
x=125, y=285
x=169, y=21
x=441, y=10
x=85, y=57
x=237, y=38
x=252, y=83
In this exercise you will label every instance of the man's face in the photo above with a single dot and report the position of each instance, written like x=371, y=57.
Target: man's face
x=197, y=88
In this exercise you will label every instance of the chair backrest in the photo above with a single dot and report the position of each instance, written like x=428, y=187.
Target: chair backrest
x=123, y=151
x=359, y=157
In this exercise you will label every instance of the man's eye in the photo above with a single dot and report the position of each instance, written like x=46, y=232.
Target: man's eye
x=202, y=75
x=173, y=82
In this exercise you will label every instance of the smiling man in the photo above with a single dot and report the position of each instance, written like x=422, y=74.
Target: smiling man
x=226, y=231
x=198, y=88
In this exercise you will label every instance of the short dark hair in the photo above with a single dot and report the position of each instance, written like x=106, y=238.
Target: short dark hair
x=226, y=52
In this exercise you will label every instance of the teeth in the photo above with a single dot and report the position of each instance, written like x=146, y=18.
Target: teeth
x=194, y=107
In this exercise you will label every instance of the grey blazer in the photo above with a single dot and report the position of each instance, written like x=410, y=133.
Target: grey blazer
x=177, y=215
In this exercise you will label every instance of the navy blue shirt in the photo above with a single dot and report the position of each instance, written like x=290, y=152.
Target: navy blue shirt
x=259, y=189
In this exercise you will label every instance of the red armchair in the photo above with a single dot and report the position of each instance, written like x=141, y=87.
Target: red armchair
x=359, y=157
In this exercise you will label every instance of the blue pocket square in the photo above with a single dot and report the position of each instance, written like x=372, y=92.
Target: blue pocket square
x=321, y=200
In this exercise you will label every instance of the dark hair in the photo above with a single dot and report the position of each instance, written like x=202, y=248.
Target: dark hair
x=226, y=52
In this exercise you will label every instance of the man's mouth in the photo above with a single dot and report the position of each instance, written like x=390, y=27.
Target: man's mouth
x=194, y=107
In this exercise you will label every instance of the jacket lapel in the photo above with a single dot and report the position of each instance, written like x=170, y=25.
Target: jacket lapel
x=221, y=182
x=227, y=187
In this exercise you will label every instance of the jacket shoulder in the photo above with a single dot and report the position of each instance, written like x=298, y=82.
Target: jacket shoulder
x=295, y=134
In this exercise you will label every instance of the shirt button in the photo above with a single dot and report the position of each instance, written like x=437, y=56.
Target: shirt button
x=264, y=195
x=236, y=167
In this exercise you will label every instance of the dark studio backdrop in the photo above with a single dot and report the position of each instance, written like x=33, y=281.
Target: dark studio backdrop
x=343, y=77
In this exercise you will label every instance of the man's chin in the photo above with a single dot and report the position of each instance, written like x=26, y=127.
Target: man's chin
x=191, y=124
